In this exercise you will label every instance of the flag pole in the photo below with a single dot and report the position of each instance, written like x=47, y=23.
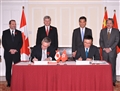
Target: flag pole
x=114, y=11
x=105, y=8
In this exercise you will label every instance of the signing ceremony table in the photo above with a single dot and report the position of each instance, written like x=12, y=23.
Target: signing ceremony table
x=61, y=78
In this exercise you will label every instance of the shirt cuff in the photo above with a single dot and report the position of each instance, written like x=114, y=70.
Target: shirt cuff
x=50, y=58
x=110, y=49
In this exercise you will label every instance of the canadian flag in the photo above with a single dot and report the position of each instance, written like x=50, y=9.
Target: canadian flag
x=64, y=56
x=25, y=50
x=57, y=56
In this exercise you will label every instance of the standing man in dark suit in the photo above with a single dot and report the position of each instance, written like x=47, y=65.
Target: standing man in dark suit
x=12, y=43
x=78, y=35
x=47, y=31
x=43, y=51
x=87, y=51
x=109, y=38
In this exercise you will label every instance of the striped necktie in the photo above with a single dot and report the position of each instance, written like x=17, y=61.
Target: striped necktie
x=86, y=52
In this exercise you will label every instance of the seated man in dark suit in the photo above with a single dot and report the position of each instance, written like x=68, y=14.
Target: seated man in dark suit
x=43, y=52
x=88, y=51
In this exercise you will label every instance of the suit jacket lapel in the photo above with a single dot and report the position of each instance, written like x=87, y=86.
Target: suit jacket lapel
x=111, y=33
x=106, y=33
x=50, y=31
x=85, y=31
x=40, y=53
x=15, y=35
x=79, y=33
x=45, y=31
x=9, y=35
x=84, y=55
x=48, y=52
x=90, y=51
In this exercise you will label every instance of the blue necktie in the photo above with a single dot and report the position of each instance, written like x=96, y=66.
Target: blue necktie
x=86, y=52
x=82, y=34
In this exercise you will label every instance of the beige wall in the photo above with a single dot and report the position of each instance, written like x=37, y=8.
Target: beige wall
x=65, y=15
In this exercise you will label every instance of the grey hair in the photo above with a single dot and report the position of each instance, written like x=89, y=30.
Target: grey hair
x=47, y=40
x=47, y=17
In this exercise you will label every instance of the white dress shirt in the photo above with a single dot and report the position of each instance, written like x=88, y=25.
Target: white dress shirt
x=12, y=31
x=87, y=50
x=109, y=30
x=82, y=31
x=44, y=55
x=47, y=27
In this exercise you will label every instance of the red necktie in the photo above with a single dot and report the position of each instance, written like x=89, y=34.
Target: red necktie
x=47, y=31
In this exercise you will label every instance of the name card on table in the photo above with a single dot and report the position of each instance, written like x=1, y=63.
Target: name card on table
x=82, y=62
x=99, y=62
x=40, y=62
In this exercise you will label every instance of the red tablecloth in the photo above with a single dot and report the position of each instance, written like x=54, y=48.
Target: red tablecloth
x=62, y=78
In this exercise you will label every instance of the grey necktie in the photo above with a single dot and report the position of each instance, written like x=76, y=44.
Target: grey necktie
x=108, y=34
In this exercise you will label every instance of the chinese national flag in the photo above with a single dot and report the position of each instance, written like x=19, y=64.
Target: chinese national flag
x=115, y=26
x=105, y=19
x=64, y=56
x=104, y=26
x=25, y=51
x=57, y=56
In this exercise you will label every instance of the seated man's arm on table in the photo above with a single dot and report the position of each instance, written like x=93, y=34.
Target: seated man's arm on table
x=78, y=54
x=51, y=53
x=34, y=54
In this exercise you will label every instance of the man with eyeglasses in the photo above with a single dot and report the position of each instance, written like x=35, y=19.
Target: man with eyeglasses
x=87, y=51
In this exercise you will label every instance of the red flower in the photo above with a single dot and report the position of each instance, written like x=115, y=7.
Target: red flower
x=50, y=28
x=48, y=53
x=15, y=33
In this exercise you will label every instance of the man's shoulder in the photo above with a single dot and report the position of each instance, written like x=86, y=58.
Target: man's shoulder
x=87, y=28
x=51, y=48
x=42, y=27
x=115, y=29
x=18, y=31
x=103, y=29
x=37, y=47
x=7, y=30
x=94, y=47
x=76, y=30
x=53, y=27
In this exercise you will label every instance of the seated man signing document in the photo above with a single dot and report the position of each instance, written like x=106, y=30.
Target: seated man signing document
x=88, y=51
x=43, y=52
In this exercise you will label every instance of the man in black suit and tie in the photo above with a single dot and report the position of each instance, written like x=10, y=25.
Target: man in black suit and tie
x=78, y=35
x=109, y=38
x=47, y=31
x=87, y=51
x=12, y=43
x=43, y=51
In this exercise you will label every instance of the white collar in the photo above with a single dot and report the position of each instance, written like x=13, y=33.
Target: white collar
x=48, y=28
x=82, y=28
x=109, y=30
x=12, y=31
x=88, y=49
